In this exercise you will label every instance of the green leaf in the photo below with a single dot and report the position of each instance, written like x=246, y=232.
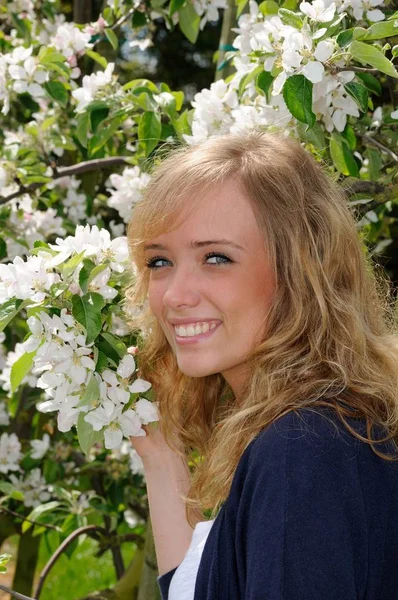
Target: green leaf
x=149, y=130
x=371, y=82
x=9, y=310
x=139, y=19
x=91, y=393
x=344, y=37
x=375, y=163
x=349, y=135
x=175, y=5
x=112, y=38
x=86, y=435
x=189, y=21
x=182, y=125
x=342, y=156
x=37, y=512
x=381, y=30
x=360, y=94
x=179, y=98
x=97, y=116
x=288, y=17
x=248, y=78
x=20, y=369
x=87, y=311
x=268, y=7
x=264, y=81
x=370, y=55
x=70, y=265
x=3, y=248
x=240, y=5
x=313, y=135
x=58, y=92
x=105, y=132
x=84, y=274
x=297, y=93
x=118, y=346
x=101, y=60
x=83, y=126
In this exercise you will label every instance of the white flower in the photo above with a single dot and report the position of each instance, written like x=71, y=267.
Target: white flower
x=146, y=410
x=359, y=7
x=317, y=10
x=99, y=284
x=101, y=416
x=96, y=244
x=70, y=40
x=10, y=452
x=75, y=205
x=128, y=190
x=208, y=10
x=28, y=77
x=127, y=424
x=33, y=487
x=212, y=111
x=91, y=85
x=28, y=279
x=40, y=447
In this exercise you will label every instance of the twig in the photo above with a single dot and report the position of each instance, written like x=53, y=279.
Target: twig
x=337, y=69
x=84, y=167
x=59, y=551
x=15, y=594
x=363, y=186
x=18, y=516
x=374, y=142
x=128, y=14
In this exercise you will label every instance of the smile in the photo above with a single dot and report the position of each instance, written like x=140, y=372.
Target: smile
x=195, y=331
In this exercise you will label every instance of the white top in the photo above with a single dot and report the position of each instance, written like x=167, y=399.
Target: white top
x=182, y=585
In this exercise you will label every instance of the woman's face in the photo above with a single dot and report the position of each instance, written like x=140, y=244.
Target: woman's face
x=211, y=285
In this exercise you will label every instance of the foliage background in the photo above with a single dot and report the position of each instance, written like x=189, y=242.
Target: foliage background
x=77, y=136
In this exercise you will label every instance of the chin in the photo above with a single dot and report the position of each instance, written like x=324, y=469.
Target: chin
x=197, y=370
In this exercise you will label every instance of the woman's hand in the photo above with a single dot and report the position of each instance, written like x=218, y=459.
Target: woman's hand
x=153, y=447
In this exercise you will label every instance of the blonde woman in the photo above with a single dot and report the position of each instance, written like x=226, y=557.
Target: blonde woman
x=270, y=352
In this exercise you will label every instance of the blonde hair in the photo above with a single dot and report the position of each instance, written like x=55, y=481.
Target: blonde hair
x=330, y=339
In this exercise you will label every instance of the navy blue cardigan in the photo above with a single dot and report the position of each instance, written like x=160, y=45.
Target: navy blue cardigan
x=312, y=514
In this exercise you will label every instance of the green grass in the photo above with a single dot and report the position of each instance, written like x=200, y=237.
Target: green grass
x=74, y=578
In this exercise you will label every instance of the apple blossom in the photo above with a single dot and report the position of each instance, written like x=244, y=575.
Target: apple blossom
x=40, y=447
x=10, y=452
x=126, y=190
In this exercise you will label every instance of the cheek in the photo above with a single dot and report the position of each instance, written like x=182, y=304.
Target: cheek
x=155, y=298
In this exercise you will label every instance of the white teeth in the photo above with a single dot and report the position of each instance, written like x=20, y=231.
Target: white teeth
x=194, y=329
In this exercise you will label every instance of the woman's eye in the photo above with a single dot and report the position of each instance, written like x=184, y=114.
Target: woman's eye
x=153, y=263
x=218, y=259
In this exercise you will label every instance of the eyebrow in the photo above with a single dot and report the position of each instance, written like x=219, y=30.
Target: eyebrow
x=198, y=244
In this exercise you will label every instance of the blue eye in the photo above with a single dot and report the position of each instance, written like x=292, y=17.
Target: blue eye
x=152, y=263
x=221, y=258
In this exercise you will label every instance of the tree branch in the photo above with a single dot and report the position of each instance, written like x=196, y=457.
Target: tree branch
x=84, y=167
x=15, y=594
x=374, y=142
x=337, y=69
x=60, y=550
x=18, y=516
x=123, y=19
x=363, y=186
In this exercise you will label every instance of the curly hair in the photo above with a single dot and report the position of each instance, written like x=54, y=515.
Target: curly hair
x=330, y=338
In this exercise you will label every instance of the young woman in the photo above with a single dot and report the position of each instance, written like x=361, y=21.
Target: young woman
x=270, y=352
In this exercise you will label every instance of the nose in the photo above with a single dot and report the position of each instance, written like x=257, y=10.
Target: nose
x=181, y=290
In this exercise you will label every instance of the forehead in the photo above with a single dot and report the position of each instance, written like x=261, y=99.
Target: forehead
x=222, y=212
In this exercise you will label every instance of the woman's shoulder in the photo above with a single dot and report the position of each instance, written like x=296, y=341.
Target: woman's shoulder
x=317, y=439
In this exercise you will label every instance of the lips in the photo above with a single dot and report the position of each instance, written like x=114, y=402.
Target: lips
x=193, y=333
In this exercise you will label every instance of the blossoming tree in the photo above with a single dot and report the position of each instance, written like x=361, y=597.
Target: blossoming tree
x=76, y=145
